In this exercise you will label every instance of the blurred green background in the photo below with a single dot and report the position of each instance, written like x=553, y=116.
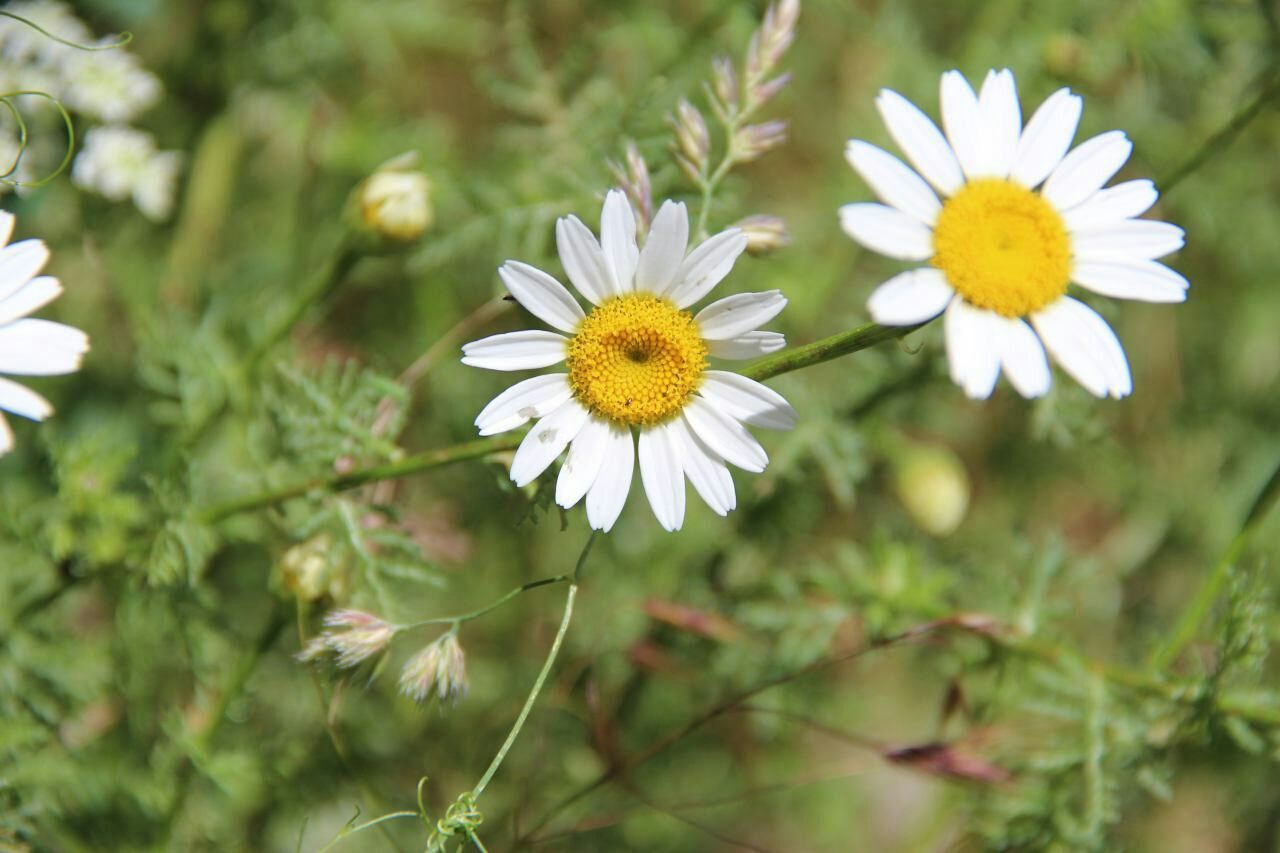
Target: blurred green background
x=149, y=698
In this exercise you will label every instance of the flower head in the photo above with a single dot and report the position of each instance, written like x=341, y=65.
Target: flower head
x=1017, y=216
x=122, y=162
x=441, y=668
x=353, y=635
x=395, y=201
x=637, y=360
x=29, y=347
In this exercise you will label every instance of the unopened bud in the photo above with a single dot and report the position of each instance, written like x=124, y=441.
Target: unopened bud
x=395, y=201
x=724, y=82
x=755, y=140
x=440, y=668
x=309, y=570
x=692, y=137
x=934, y=488
x=765, y=234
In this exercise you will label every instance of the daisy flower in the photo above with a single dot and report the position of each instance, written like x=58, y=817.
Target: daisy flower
x=1017, y=216
x=29, y=347
x=637, y=362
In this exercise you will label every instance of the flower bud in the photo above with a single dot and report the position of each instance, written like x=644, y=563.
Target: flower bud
x=440, y=668
x=765, y=234
x=395, y=201
x=933, y=486
x=309, y=571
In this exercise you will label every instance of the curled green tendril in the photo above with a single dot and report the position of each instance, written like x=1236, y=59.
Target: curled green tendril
x=22, y=137
x=462, y=817
x=122, y=40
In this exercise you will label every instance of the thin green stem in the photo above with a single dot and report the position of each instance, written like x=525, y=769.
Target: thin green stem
x=1184, y=631
x=377, y=821
x=488, y=608
x=537, y=688
x=826, y=349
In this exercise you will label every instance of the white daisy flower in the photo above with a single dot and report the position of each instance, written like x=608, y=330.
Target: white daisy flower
x=29, y=347
x=636, y=361
x=1015, y=219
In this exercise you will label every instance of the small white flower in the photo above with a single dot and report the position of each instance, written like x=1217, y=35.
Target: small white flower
x=1021, y=216
x=353, y=635
x=110, y=85
x=21, y=44
x=29, y=347
x=122, y=162
x=441, y=668
x=636, y=360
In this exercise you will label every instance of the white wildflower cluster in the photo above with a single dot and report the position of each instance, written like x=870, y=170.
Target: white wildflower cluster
x=106, y=87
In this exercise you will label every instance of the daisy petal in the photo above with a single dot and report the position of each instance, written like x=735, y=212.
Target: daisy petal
x=910, y=297
x=742, y=312
x=41, y=348
x=1023, y=358
x=662, y=476
x=962, y=121
x=1145, y=281
x=1114, y=204
x=1083, y=171
x=543, y=296
x=893, y=181
x=1002, y=118
x=749, y=345
x=705, y=267
x=1129, y=240
x=704, y=468
x=922, y=142
x=6, y=436
x=19, y=263
x=547, y=440
x=523, y=402
x=23, y=401
x=730, y=438
x=888, y=231
x=36, y=294
x=527, y=350
x=747, y=400
x=972, y=352
x=618, y=237
x=1046, y=138
x=664, y=248
x=608, y=493
x=582, y=465
x=583, y=260
x=6, y=226
x=1085, y=346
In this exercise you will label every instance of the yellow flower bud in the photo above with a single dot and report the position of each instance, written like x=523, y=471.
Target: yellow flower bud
x=395, y=201
x=933, y=486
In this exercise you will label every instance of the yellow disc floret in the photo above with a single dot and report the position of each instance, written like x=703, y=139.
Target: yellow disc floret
x=1002, y=247
x=636, y=359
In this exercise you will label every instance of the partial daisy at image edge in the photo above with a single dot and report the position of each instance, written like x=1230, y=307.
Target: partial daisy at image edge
x=637, y=360
x=1004, y=217
x=28, y=346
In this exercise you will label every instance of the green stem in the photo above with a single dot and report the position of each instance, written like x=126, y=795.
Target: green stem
x=1197, y=611
x=537, y=686
x=488, y=608
x=826, y=349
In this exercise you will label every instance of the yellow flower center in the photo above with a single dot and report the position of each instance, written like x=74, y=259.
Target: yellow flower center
x=1002, y=247
x=636, y=359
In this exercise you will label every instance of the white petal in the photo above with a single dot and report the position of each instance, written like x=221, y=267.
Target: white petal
x=662, y=476
x=1111, y=205
x=41, y=348
x=729, y=438
x=36, y=294
x=972, y=349
x=749, y=345
x=618, y=237
x=922, y=142
x=583, y=260
x=23, y=401
x=19, y=263
x=527, y=350
x=888, y=231
x=664, y=248
x=1085, y=346
x=1145, y=281
x=910, y=297
x=706, y=266
x=523, y=402
x=732, y=316
x=1083, y=171
x=1129, y=240
x=582, y=465
x=6, y=435
x=6, y=226
x=1002, y=120
x=1046, y=138
x=704, y=468
x=747, y=400
x=893, y=181
x=1023, y=358
x=962, y=121
x=547, y=440
x=608, y=493
x=543, y=296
